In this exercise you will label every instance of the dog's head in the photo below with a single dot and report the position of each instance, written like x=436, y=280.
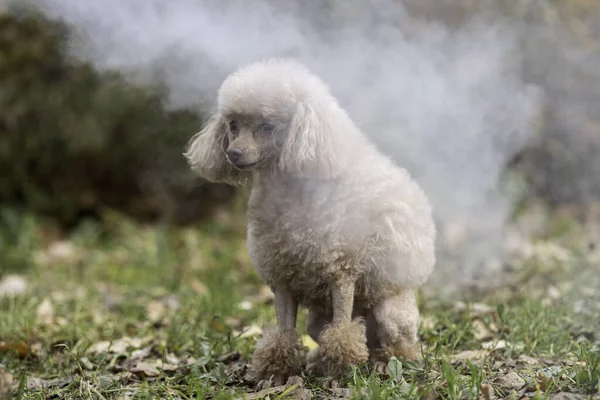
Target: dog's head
x=270, y=114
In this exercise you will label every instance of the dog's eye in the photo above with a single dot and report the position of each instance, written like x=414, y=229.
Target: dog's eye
x=267, y=127
x=233, y=125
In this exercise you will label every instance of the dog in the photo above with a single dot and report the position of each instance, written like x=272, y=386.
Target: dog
x=333, y=224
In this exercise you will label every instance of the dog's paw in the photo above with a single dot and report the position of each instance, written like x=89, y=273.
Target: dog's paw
x=339, y=348
x=278, y=355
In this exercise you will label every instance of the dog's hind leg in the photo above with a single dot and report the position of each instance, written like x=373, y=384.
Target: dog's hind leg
x=397, y=323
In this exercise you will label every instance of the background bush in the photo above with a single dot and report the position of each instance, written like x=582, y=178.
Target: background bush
x=74, y=141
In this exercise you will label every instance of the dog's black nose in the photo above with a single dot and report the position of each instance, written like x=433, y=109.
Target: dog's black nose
x=234, y=154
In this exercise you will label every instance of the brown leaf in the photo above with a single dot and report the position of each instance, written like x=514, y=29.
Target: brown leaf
x=152, y=368
x=487, y=392
x=19, y=348
x=545, y=380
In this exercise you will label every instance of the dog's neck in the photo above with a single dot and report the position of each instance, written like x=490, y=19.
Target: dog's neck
x=273, y=177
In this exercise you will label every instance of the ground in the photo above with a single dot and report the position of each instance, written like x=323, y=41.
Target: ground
x=121, y=310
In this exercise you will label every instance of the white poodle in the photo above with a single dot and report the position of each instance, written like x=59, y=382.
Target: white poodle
x=333, y=224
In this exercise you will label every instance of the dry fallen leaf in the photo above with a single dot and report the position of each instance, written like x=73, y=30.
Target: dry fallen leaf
x=38, y=350
x=156, y=311
x=529, y=360
x=172, y=359
x=38, y=384
x=487, y=392
x=190, y=361
x=120, y=345
x=294, y=389
x=18, y=348
x=252, y=330
x=545, y=379
x=511, y=381
x=160, y=310
x=569, y=396
x=471, y=355
x=495, y=345
x=481, y=331
x=45, y=312
x=140, y=354
x=152, y=368
x=501, y=345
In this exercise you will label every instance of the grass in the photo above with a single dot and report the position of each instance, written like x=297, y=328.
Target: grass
x=120, y=310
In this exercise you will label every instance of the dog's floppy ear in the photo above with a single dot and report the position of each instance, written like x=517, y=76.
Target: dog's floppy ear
x=205, y=153
x=310, y=146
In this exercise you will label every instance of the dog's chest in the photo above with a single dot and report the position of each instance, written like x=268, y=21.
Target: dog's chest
x=291, y=243
x=295, y=235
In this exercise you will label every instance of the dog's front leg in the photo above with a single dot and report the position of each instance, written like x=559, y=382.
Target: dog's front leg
x=279, y=354
x=342, y=343
x=286, y=308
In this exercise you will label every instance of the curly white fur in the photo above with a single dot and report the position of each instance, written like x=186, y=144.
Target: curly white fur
x=326, y=204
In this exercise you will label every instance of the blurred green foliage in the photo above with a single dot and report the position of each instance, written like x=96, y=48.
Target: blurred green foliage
x=74, y=141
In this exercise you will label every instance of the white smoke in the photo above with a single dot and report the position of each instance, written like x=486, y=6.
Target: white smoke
x=448, y=104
